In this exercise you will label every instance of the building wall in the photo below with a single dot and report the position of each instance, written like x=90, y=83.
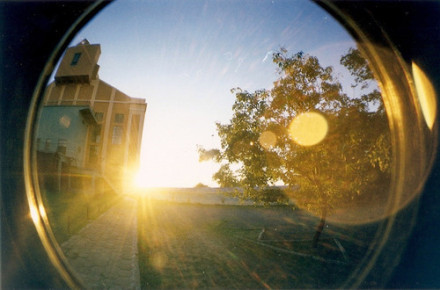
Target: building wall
x=113, y=147
x=61, y=126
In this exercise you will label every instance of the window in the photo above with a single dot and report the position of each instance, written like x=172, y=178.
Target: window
x=62, y=146
x=99, y=116
x=47, y=145
x=96, y=134
x=119, y=118
x=93, y=154
x=117, y=135
x=75, y=58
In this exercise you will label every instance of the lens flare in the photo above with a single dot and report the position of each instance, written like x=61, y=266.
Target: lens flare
x=34, y=214
x=267, y=139
x=426, y=94
x=65, y=121
x=308, y=129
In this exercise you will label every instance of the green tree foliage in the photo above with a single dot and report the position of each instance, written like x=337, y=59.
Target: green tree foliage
x=225, y=177
x=350, y=161
x=358, y=67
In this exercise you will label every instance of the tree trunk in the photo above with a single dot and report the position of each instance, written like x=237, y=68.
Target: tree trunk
x=319, y=228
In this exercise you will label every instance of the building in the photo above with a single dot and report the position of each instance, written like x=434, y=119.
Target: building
x=86, y=120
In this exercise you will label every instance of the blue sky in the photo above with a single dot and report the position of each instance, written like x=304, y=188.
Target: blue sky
x=183, y=57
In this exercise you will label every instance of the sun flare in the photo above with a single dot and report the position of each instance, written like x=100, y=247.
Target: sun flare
x=308, y=129
x=139, y=180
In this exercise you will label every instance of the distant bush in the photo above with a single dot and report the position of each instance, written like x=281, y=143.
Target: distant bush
x=200, y=185
x=273, y=194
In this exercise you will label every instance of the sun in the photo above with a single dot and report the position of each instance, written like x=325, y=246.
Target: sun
x=139, y=180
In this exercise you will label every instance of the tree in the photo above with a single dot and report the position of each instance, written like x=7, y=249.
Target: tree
x=358, y=67
x=269, y=138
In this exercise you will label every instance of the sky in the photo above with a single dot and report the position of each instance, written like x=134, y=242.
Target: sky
x=184, y=57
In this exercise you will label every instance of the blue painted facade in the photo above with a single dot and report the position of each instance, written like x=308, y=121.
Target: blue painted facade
x=64, y=129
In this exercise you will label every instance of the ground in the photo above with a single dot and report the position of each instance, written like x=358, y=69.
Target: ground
x=184, y=245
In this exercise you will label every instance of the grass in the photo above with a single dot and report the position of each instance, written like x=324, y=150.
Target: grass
x=68, y=213
x=215, y=246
